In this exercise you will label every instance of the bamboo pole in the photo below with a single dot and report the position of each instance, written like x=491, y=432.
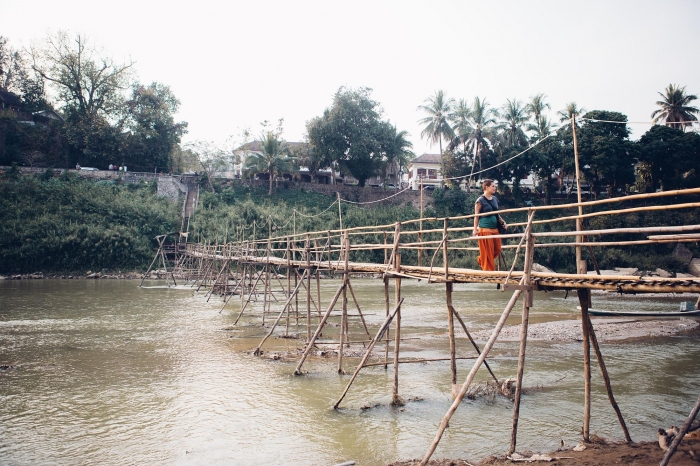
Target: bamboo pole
x=681, y=433
x=527, y=303
x=476, y=347
x=308, y=288
x=386, y=307
x=584, y=301
x=310, y=343
x=272, y=329
x=395, y=398
x=470, y=377
x=344, y=319
x=382, y=329
x=606, y=379
x=450, y=315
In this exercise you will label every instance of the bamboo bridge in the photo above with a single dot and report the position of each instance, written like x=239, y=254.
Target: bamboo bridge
x=252, y=270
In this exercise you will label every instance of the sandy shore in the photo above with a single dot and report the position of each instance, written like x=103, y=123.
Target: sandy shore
x=607, y=329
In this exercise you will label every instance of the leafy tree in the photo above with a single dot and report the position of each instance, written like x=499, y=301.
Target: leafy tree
x=605, y=152
x=437, y=127
x=274, y=157
x=154, y=132
x=546, y=156
x=675, y=109
x=87, y=83
x=17, y=77
x=351, y=133
x=671, y=156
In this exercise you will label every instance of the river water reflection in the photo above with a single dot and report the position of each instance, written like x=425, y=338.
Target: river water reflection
x=104, y=372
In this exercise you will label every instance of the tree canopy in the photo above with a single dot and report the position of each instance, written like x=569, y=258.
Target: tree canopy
x=352, y=134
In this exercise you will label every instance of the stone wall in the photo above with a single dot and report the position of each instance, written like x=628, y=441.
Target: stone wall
x=170, y=187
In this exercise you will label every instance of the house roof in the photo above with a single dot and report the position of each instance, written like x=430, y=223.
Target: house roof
x=10, y=98
x=427, y=158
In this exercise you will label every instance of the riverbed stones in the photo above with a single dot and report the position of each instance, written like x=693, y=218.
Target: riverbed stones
x=682, y=253
x=540, y=268
x=694, y=267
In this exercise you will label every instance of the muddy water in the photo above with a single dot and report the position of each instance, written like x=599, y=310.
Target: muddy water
x=104, y=372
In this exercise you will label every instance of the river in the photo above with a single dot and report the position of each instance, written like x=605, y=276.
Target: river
x=105, y=372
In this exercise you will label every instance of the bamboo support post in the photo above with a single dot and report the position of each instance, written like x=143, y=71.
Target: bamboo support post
x=284, y=309
x=606, y=379
x=308, y=287
x=317, y=333
x=469, y=336
x=368, y=352
x=681, y=433
x=527, y=303
x=470, y=377
x=395, y=398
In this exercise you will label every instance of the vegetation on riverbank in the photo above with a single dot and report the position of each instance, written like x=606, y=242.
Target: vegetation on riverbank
x=67, y=224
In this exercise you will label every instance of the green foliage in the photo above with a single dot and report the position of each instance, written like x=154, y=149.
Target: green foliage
x=64, y=224
x=671, y=157
x=352, y=133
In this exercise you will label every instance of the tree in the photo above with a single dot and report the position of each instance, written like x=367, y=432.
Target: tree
x=273, y=157
x=437, y=126
x=461, y=123
x=547, y=155
x=536, y=106
x=87, y=83
x=671, y=156
x=351, y=133
x=570, y=110
x=605, y=152
x=154, y=132
x=675, y=109
x=398, y=153
x=483, y=119
x=16, y=77
x=513, y=118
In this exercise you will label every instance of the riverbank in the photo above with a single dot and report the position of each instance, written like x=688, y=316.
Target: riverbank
x=598, y=453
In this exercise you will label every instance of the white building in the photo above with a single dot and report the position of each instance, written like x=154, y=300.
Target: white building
x=425, y=168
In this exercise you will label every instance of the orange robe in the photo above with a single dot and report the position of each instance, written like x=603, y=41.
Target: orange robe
x=489, y=249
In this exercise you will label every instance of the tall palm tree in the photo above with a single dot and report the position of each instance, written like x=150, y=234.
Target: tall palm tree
x=437, y=127
x=537, y=105
x=461, y=123
x=398, y=153
x=513, y=118
x=675, y=110
x=542, y=128
x=273, y=157
x=482, y=120
x=571, y=110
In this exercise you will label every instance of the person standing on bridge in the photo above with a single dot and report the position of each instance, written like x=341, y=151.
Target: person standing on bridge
x=487, y=225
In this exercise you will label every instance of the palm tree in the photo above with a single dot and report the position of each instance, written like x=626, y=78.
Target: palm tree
x=438, y=109
x=482, y=120
x=461, y=123
x=399, y=153
x=537, y=105
x=542, y=128
x=675, y=110
x=273, y=157
x=514, y=116
x=570, y=110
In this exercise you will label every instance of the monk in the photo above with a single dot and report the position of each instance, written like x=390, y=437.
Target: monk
x=487, y=225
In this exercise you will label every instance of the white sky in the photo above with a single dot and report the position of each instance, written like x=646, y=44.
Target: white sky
x=234, y=64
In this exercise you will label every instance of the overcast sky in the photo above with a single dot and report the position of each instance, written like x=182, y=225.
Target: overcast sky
x=234, y=64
